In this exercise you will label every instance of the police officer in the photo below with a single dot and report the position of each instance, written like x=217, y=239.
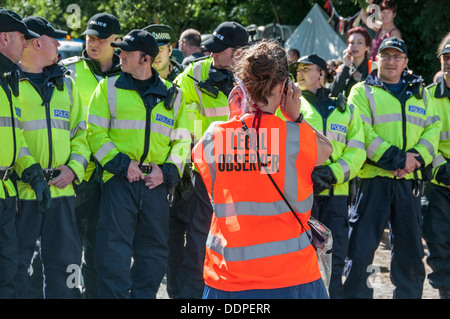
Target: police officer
x=436, y=222
x=138, y=132
x=401, y=136
x=54, y=127
x=206, y=84
x=97, y=61
x=14, y=152
x=166, y=67
x=189, y=44
x=342, y=125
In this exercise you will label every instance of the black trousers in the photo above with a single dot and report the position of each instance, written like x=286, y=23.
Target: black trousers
x=190, y=221
x=436, y=232
x=87, y=208
x=60, y=246
x=381, y=202
x=332, y=211
x=8, y=247
x=132, y=232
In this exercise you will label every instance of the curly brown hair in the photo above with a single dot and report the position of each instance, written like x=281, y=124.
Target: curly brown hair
x=262, y=66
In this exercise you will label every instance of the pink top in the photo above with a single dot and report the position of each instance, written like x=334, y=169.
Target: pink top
x=376, y=42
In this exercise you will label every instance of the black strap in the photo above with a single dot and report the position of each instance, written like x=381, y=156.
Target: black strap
x=147, y=135
x=260, y=164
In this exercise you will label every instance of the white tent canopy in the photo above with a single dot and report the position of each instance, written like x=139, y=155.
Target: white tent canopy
x=315, y=35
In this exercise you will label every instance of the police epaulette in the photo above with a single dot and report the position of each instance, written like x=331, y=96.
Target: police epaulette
x=201, y=58
x=430, y=86
x=71, y=60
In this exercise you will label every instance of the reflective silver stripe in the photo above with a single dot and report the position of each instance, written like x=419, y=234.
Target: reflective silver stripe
x=292, y=149
x=208, y=150
x=374, y=146
x=177, y=161
x=260, y=250
x=216, y=111
x=432, y=119
x=42, y=124
x=438, y=160
x=263, y=209
x=356, y=144
x=197, y=74
x=366, y=119
x=161, y=129
x=352, y=110
x=387, y=118
x=127, y=124
x=80, y=126
x=336, y=136
x=99, y=121
x=345, y=168
x=102, y=151
x=24, y=151
x=369, y=95
x=80, y=159
x=445, y=136
x=177, y=103
x=428, y=145
x=112, y=96
x=68, y=82
x=415, y=120
x=180, y=134
x=73, y=70
x=5, y=121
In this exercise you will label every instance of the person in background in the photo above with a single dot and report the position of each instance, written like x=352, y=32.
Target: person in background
x=257, y=247
x=206, y=85
x=96, y=62
x=342, y=125
x=189, y=43
x=357, y=65
x=166, y=67
x=387, y=29
x=436, y=221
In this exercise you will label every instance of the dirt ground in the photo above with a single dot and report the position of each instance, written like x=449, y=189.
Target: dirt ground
x=383, y=287
x=381, y=282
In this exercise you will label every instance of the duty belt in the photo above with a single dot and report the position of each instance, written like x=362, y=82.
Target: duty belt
x=50, y=173
x=146, y=169
x=5, y=174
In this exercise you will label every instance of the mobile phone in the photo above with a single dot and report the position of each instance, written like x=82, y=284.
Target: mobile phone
x=286, y=86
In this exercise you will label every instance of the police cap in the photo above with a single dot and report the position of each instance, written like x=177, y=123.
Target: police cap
x=43, y=27
x=162, y=33
x=313, y=59
x=10, y=21
x=445, y=49
x=394, y=43
x=138, y=40
x=102, y=25
x=226, y=35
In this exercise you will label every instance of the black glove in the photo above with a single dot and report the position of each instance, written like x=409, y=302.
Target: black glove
x=323, y=178
x=34, y=175
x=443, y=174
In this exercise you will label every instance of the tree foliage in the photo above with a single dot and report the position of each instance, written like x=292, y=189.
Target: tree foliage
x=422, y=23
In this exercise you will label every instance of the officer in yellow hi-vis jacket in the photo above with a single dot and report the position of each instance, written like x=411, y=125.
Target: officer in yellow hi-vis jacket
x=14, y=152
x=54, y=128
x=435, y=220
x=206, y=84
x=98, y=61
x=138, y=131
x=342, y=125
x=401, y=132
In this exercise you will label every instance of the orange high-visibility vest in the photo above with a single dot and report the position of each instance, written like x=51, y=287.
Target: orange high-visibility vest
x=255, y=241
